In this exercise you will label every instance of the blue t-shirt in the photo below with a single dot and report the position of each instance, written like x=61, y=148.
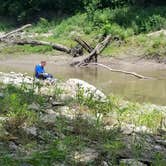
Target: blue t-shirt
x=38, y=70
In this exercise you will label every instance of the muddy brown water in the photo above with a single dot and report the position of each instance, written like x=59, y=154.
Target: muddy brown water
x=128, y=87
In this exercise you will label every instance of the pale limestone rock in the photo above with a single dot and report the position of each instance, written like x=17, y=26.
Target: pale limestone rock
x=67, y=112
x=74, y=85
x=49, y=111
x=88, y=155
x=31, y=131
x=50, y=118
x=131, y=128
x=2, y=119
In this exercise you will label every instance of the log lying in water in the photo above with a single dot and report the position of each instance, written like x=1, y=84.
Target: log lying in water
x=14, y=31
x=121, y=71
x=94, y=53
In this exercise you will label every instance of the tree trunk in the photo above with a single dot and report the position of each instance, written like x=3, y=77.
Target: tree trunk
x=92, y=57
x=84, y=44
x=58, y=47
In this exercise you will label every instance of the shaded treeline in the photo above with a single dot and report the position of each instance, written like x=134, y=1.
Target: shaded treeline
x=23, y=11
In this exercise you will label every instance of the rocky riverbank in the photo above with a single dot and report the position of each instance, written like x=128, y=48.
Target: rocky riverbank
x=47, y=87
x=74, y=123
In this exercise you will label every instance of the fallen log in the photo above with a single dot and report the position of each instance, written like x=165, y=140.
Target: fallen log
x=5, y=38
x=56, y=46
x=73, y=51
x=92, y=57
x=84, y=44
x=121, y=71
x=14, y=31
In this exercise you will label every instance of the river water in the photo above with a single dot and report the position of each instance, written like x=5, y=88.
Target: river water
x=126, y=86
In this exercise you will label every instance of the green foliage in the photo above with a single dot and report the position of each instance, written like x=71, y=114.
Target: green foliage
x=74, y=23
x=53, y=154
x=141, y=116
x=16, y=101
x=4, y=26
x=132, y=19
x=101, y=4
x=57, y=143
x=43, y=26
x=129, y=113
x=26, y=49
x=23, y=11
x=159, y=159
x=7, y=160
x=156, y=48
x=98, y=105
x=28, y=10
x=100, y=18
x=82, y=135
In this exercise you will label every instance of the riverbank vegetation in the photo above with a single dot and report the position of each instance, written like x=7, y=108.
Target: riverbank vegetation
x=83, y=131
x=131, y=23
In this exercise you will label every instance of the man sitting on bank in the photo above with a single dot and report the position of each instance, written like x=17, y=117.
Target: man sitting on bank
x=40, y=71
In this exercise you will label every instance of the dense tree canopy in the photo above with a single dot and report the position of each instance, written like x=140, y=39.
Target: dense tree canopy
x=23, y=10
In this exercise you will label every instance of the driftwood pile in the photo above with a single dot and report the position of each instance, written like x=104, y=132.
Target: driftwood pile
x=7, y=39
x=75, y=52
x=93, y=52
x=90, y=59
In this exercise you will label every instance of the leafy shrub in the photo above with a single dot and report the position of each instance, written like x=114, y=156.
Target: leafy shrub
x=127, y=21
x=43, y=25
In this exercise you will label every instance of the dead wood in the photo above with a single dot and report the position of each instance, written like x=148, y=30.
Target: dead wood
x=121, y=71
x=84, y=44
x=77, y=51
x=56, y=46
x=3, y=37
x=92, y=57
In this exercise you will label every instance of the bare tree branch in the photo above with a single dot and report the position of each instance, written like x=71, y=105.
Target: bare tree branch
x=84, y=44
x=92, y=57
x=14, y=31
x=121, y=71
